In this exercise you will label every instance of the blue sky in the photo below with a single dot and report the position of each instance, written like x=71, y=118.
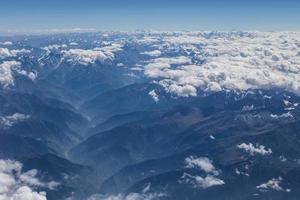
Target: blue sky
x=32, y=15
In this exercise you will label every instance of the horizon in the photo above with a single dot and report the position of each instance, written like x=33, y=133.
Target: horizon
x=33, y=16
x=47, y=32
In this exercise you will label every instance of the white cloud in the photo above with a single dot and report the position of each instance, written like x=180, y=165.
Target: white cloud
x=32, y=76
x=18, y=185
x=200, y=182
x=5, y=53
x=153, y=53
x=73, y=44
x=54, y=47
x=254, y=149
x=25, y=193
x=9, y=121
x=202, y=163
x=159, y=67
x=6, y=43
x=7, y=70
x=6, y=74
x=154, y=96
x=233, y=60
x=156, y=67
x=273, y=184
x=90, y=56
x=184, y=39
x=85, y=57
x=147, y=40
x=180, y=90
x=120, y=65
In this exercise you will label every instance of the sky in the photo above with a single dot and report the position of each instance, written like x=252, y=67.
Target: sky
x=222, y=15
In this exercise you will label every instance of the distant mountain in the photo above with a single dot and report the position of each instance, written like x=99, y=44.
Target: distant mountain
x=75, y=181
x=13, y=146
x=151, y=115
x=116, y=102
x=211, y=126
x=122, y=119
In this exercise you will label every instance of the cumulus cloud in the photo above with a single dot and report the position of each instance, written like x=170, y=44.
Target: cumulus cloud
x=90, y=56
x=18, y=185
x=179, y=90
x=7, y=71
x=202, y=163
x=157, y=67
x=32, y=76
x=4, y=52
x=200, y=182
x=8, y=121
x=153, y=53
x=153, y=95
x=6, y=43
x=85, y=57
x=206, y=165
x=273, y=184
x=254, y=149
x=54, y=47
x=6, y=74
x=233, y=60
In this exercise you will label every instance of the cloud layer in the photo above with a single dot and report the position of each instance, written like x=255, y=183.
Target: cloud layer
x=233, y=60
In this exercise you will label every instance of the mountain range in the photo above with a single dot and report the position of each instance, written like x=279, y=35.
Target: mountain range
x=150, y=115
